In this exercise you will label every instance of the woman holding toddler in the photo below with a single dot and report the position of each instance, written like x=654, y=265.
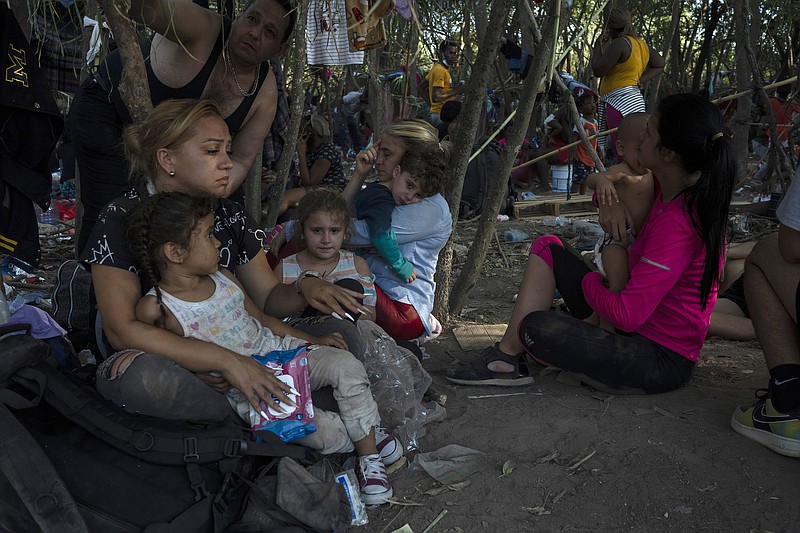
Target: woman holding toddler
x=661, y=316
x=182, y=147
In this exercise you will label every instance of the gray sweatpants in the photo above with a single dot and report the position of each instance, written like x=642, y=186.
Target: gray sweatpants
x=155, y=385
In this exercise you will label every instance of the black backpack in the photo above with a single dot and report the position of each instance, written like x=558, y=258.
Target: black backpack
x=481, y=171
x=72, y=461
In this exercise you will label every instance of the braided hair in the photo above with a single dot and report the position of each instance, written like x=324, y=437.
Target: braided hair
x=158, y=220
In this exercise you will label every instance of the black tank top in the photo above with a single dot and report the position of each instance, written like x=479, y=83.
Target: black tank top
x=112, y=71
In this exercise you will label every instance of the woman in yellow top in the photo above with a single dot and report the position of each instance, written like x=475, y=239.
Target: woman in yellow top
x=622, y=62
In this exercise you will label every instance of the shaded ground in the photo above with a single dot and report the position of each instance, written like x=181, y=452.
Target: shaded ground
x=668, y=462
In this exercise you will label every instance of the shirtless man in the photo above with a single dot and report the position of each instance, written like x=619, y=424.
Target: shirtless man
x=190, y=57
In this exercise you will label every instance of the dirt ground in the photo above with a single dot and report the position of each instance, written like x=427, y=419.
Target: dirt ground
x=559, y=457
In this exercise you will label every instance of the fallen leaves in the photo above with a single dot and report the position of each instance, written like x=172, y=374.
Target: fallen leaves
x=508, y=467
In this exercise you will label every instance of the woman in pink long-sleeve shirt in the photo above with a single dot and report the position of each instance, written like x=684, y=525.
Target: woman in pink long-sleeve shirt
x=661, y=317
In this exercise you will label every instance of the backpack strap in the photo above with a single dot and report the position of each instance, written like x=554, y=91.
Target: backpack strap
x=35, y=479
x=130, y=433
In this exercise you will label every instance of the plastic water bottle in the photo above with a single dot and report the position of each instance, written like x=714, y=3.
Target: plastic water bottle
x=550, y=220
x=50, y=216
x=584, y=227
x=5, y=314
x=55, y=184
x=515, y=235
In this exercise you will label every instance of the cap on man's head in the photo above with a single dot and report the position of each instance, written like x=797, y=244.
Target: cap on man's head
x=320, y=126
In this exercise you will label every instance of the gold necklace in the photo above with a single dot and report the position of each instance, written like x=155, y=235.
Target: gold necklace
x=236, y=78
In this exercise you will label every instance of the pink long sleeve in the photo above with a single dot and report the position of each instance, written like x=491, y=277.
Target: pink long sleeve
x=661, y=301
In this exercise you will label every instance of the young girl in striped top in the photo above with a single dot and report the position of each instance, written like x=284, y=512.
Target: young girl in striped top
x=324, y=219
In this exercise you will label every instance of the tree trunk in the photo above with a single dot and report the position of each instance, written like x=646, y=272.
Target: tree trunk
x=652, y=95
x=686, y=53
x=410, y=77
x=295, y=117
x=777, y=156
x=133, y=88
x=377, y=98
x=252, y=190
x=481, y=26
x=715, y=12
x=463, y=139
x=471, y=270
x=741, y=132
x=91, y=12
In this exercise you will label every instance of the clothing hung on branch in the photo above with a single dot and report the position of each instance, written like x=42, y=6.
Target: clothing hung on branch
x=339, y=31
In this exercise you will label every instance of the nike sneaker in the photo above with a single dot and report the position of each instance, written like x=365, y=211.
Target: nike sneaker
x=760, y=422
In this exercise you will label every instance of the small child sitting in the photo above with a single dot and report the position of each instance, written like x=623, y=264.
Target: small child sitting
x=633, y=185
x=583, y=164
x=173, y=234
x=323, y=217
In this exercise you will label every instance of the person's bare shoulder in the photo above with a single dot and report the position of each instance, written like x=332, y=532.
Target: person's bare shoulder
x=147, y=310
x=361, y=266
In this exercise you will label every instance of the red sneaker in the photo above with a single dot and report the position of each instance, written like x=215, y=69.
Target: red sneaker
x=388, y=446
x=372, y=480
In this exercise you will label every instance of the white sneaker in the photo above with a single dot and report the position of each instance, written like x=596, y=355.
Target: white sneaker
x=372, y=480
x=389, y=447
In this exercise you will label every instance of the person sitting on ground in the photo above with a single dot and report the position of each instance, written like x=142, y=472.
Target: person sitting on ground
x=422, y=229
x=771, y=286
x=661, y=316
x=627, y=182
x=183, y=146
x=553, y=138
x=411, y=180
x=323, y=220
x=173, y=235
x=633, y=186
x=195, y=53
x=584, y=164
x=449, y=116
x=731, y=318
x=785, y=109
x=320, y=162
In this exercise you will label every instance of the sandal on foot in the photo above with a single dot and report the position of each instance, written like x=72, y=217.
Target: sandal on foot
x=476, y=372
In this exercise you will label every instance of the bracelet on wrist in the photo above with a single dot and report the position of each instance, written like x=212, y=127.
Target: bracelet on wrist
x=303, y=275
